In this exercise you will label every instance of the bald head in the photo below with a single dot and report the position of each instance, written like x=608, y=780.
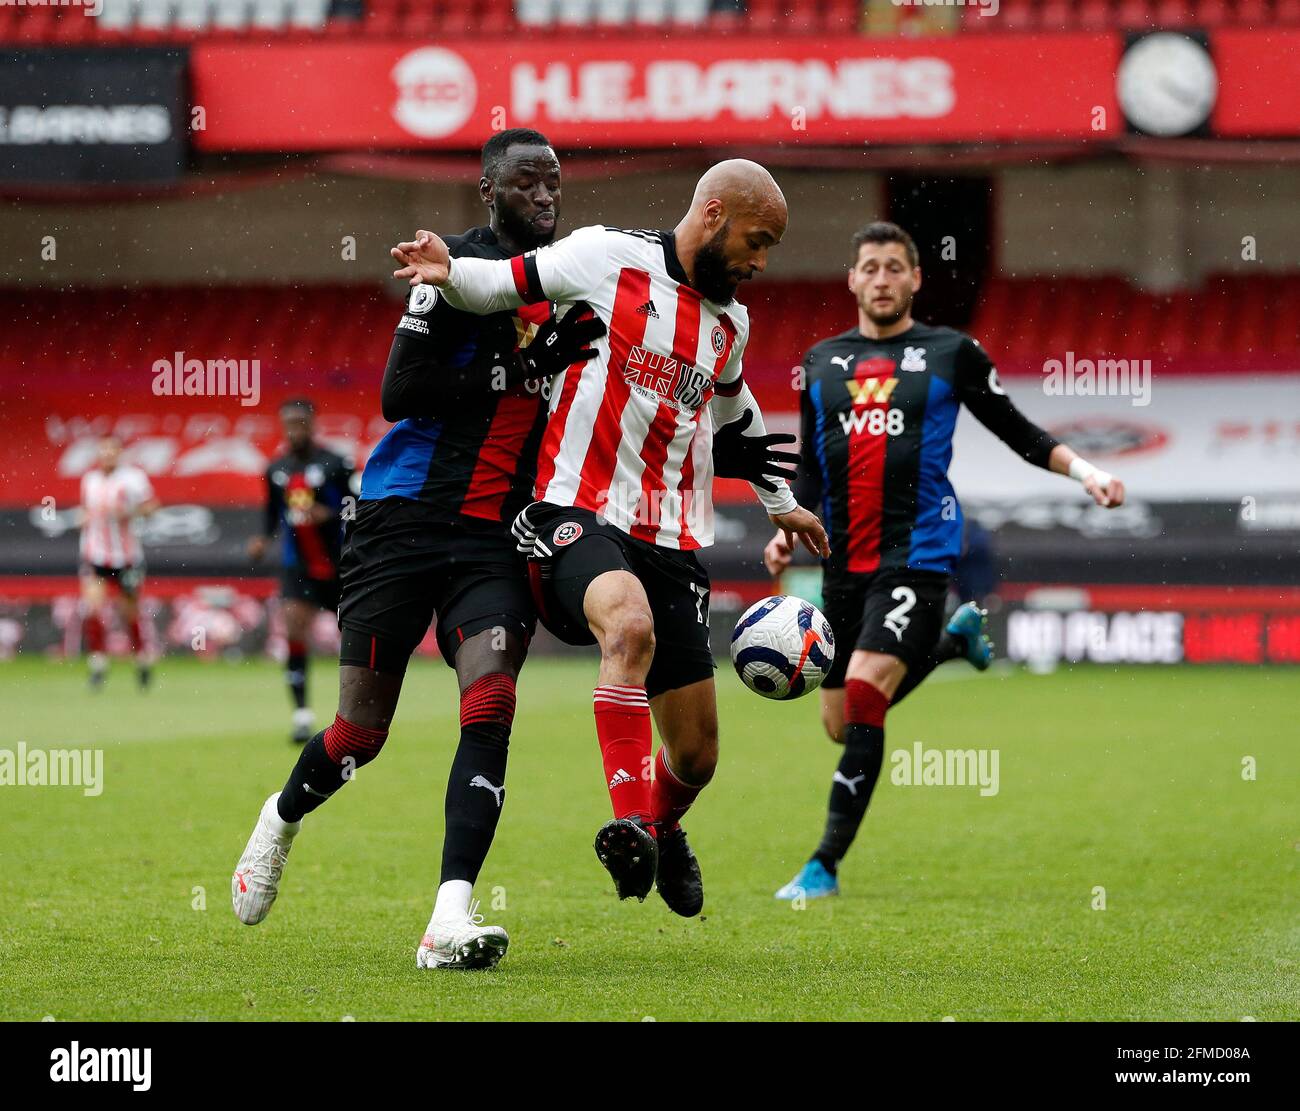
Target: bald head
x=737, y=213
x=740, y=186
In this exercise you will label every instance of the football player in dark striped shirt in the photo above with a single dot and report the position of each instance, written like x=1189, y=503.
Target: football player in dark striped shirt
x=305, y=492
x=432, y=537
x=879, y=407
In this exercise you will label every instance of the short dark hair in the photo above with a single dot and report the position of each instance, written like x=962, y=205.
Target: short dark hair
x=495, y=149
x=882, y=231
x=298, y=403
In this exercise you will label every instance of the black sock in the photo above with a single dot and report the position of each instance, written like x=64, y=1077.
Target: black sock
x=476, y=788
x=315, y=767
x=947, y=648
x=855, y=779
x=318, y=774
x=295, y=671
x=476, y=792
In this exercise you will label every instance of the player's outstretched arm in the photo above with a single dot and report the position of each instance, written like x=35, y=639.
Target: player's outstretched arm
x=983, y=395
x=477, y=285
x=1103, y=487
x=567, y=271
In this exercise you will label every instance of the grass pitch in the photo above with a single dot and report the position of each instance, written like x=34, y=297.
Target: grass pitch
x=953, y=904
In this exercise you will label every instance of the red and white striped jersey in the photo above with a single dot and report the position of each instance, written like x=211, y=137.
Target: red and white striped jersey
x=107, y=539
x=630, y=433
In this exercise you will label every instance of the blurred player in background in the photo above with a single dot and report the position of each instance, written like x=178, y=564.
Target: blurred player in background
x=113, y=496
x=305, y=488
x=432, y=537
x=624, y=486
x=878, y=411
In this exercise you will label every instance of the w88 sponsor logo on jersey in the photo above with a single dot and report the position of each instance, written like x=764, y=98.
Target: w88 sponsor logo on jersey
x=873, y=422
x=870, y=400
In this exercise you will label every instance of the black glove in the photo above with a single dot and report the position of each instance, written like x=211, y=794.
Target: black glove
x=736, y=455
x=559, y=344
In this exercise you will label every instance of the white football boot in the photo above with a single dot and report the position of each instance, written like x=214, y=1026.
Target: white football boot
x=256, y=881
x=304, y=725
x=461, y=941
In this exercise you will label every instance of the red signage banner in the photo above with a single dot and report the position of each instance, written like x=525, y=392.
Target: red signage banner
x=636, y=93
x=1259, y=72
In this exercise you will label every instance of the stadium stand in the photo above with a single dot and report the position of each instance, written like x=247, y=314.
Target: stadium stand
x=1135, y=15
x=1235, y=323
x=179, y=21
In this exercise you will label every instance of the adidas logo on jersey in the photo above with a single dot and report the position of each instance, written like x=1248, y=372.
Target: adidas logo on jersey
x=648, y=309
x=620, y=777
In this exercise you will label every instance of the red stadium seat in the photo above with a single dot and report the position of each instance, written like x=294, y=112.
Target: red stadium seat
x=1095, y=15
x=1174, y=13
x=497, y=17
x=1134, y=15
x=1210, y=13
x=421, y=21
x=1013, y=15
x=33, y=25
x=803, y=19
x=1056, y=15
x=763, y=15
x=1251, y=13
x=181, y=21
x=1227, y=324
x=842, y=17
x=71, y=28
x=383, y=18
x=725, y=23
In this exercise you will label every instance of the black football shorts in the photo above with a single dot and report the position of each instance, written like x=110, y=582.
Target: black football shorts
x=574, y=546
x=400, y=567
x=896, y=612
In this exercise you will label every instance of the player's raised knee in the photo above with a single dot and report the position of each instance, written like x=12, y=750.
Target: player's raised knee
x=629, y=634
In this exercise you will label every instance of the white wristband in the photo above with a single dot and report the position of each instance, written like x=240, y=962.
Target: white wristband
x=1081, y=470
x=778, y=502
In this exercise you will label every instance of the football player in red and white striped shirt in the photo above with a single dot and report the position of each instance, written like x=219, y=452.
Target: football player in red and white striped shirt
x=624, y=485
x=113, y=496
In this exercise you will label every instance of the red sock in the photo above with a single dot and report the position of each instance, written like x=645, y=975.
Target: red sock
x=137, y=640
x=864, y=704
x=670, y=798
x=623, y=729
x=343, y=740
x=92, y=632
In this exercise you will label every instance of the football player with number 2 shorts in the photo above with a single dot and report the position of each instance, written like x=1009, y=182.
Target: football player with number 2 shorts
x=879, y=407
